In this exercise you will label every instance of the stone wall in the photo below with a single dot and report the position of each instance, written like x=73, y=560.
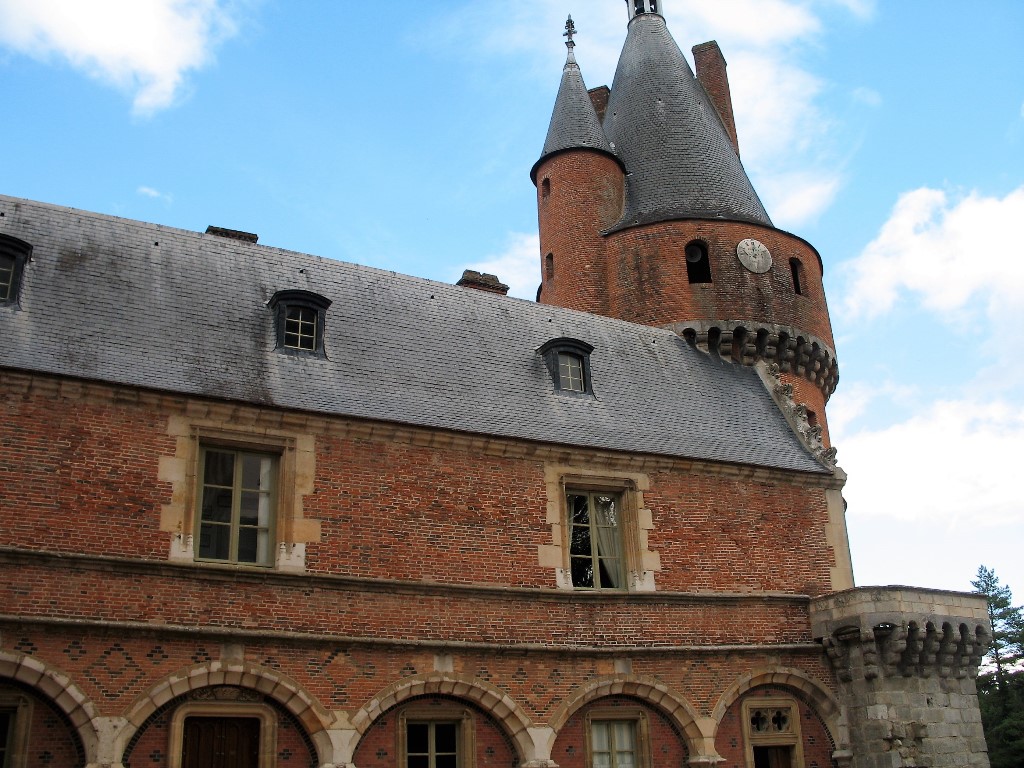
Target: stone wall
x=906, y=660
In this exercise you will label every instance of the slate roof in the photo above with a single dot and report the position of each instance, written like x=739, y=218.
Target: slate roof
x=574, y=122
x=139, y=304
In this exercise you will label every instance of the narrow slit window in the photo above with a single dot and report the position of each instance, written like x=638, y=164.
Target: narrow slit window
x=797, y=268
x=549, y=266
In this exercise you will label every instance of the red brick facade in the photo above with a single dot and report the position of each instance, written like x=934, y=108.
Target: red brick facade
x=425, y=578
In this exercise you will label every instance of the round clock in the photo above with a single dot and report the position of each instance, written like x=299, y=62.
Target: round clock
x=754, y=255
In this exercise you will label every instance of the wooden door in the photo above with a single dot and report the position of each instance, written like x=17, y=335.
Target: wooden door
x=221, y=742
x=773, y=757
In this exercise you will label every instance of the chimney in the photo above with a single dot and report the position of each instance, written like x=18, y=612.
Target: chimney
x=483, y=282
x=599, y=98
x=711, y=73
x=232, y=234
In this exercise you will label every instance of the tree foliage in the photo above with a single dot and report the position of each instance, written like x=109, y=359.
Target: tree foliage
x=1001, y=684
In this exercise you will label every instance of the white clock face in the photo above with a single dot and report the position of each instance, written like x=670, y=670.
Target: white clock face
x=754, y=255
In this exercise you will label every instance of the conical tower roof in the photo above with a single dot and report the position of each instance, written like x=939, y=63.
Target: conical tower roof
x=662, y=126
x=574, y=122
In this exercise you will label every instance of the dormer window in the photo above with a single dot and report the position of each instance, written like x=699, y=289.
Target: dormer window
x=568, y=362
x=300, y=319
x=14, y=255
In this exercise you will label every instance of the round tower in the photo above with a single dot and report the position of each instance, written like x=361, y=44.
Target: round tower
x=579, y=195
x=647, y=215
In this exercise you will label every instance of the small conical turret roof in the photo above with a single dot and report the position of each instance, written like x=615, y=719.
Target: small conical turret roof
x=661, y=125
x=574, y=121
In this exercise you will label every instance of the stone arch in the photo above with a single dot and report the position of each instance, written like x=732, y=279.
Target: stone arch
x=494, y=701
x=58, y=688
x=677, y=709
x=274, y=684
x=814, y=691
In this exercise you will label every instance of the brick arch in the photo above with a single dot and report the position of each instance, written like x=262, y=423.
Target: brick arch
x=494, y=701
x=677, y=709
x=816, y=694
x=270, y=682
x=59, y=690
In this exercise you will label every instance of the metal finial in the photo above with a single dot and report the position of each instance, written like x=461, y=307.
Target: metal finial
x=570, y=30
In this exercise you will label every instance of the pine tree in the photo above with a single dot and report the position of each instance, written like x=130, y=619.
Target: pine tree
x=1001, y=689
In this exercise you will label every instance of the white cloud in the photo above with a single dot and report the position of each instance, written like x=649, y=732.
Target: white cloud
x=518, y=266
x=144, y=47
x=950, y=253
x=155, y=194
x=956, y=461
x=868, y=96
x=862, y=9
x=799, y=196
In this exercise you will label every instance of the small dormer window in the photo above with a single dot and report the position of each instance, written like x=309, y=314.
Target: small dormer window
x=14, y=255
x=300, y=319
x=568, y=362
x=643, y=6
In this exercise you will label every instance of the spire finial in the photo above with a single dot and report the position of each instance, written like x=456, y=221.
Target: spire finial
x=570, y=30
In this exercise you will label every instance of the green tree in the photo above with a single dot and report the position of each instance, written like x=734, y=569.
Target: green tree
x=1001, y=684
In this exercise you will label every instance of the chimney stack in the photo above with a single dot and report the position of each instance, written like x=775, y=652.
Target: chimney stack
x=483, y=282
x=712, y=76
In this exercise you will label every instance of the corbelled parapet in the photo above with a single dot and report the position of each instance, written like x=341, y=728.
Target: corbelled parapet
x=902, y=632
x=906, y=660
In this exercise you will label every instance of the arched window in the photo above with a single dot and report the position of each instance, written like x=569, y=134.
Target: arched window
x=698, y=265
x=545, y=188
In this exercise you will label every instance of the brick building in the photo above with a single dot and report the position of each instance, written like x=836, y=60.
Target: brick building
x=265, y=509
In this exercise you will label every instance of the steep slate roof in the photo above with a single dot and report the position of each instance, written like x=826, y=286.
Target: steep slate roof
x=662, y=126
x=143, y=305
x=574, y=122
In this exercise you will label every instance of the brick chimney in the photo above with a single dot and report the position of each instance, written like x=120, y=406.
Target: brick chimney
x=711, y=73
x=483, y=282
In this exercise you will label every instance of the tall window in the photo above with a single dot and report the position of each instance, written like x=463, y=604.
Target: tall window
x=613, y=744
x=432, y=745
x=772, y=732
x=595, y=540
x=6, y=730
x=435, y=734
x=236, y=506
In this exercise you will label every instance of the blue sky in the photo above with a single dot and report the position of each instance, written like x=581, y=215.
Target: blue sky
x=889, y=133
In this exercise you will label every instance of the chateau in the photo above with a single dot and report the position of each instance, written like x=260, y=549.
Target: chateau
x=261, y=508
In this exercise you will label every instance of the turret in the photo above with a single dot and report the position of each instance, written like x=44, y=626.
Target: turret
x=649, y=216
x=579, y=195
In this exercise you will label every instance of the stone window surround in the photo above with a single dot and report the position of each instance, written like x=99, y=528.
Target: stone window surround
x=261, y=712
x=641, y=733
x=791, y=738
x=640, y=563
x=446, y=712
x=20, y=707
x=297, y=465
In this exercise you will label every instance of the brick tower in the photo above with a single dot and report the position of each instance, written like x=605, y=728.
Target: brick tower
x=647, y=215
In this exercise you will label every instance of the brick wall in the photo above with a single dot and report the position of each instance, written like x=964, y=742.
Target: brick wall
x=52, y=741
